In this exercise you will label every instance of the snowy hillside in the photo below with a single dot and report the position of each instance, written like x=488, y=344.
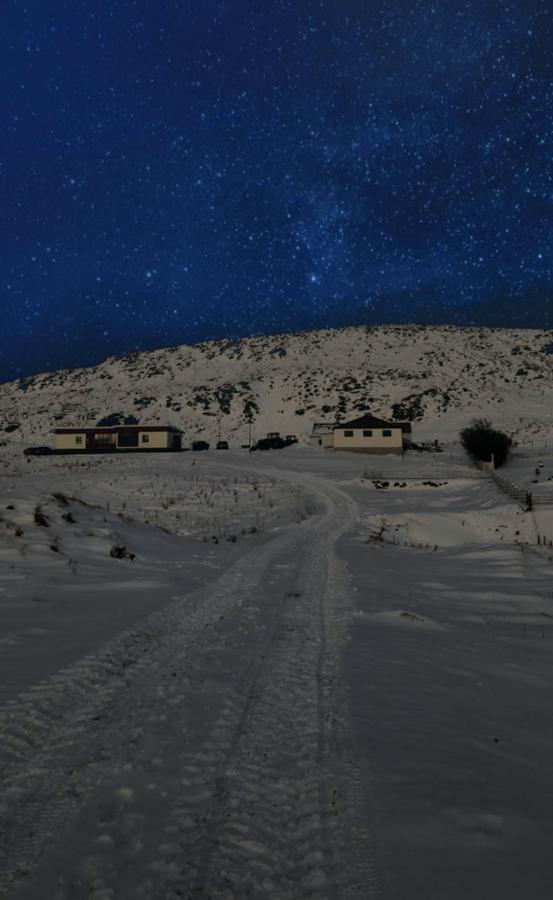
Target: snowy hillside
x=436, y=376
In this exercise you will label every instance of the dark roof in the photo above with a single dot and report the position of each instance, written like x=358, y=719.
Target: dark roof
x=118, y=428
x=368, y=421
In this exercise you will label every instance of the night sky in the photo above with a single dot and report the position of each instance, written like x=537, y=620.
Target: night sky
x=178, y=171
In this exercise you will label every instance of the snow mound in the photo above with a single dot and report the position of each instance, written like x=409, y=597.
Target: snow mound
x=433, y=530
x=402, y=617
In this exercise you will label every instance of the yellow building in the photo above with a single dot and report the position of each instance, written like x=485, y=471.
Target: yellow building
x=104, y=439
x=368, y=434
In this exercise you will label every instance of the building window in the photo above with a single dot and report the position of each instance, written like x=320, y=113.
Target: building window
x=79, y=439
x=348, y=433
x=386, y=433
x=367, y=433
x=145, y=438
x=105, y=438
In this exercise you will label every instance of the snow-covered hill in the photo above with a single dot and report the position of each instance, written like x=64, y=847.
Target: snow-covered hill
x=437, y=376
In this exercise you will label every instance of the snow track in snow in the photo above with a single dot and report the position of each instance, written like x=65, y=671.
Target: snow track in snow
x=209, y=746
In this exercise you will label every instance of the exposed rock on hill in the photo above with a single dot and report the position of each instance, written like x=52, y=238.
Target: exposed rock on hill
x=438, y=377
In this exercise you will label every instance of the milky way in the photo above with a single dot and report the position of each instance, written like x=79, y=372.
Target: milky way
x=177, y=171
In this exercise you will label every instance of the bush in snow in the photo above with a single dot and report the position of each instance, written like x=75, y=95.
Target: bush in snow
x=481, y=441
x=118, y=552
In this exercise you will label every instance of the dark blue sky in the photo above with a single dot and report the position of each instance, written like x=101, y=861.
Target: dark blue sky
x=176, y=171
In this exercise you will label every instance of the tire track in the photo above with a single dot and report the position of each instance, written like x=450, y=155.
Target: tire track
x=293, y=811
x=257, y=793
x=57, y=742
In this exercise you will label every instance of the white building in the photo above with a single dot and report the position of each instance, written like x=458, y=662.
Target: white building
x=322, y=435
x=367, y=434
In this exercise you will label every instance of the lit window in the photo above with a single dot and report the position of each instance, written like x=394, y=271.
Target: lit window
x=104, y=438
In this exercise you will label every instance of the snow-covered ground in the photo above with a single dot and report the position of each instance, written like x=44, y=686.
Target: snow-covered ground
x=302, y=675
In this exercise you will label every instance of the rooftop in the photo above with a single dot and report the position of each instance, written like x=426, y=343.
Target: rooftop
x=368, y=421
x=117, y=428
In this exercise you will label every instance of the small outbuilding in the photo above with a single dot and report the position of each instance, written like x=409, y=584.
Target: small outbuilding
x=367, y=434
x=322, y=435
x=117, y=438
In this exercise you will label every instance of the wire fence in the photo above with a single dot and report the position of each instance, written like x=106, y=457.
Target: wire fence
x=542, y=497
x=517, y=492
x=437, y=474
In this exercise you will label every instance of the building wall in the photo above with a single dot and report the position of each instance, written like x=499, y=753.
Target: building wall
x=69, y=441
x=375, y=443
x=322, y=440
x=157, y=440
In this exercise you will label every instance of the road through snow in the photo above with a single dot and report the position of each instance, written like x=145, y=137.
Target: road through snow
x=205, y=752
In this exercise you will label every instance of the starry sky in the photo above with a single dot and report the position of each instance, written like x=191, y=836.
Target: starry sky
x=180, y=170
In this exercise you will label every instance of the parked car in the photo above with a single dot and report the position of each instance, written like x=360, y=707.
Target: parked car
x=291, y=439
x=269, y=443
x=200, y=445
x=273, y=434
x=37, y=451
x=222, y=445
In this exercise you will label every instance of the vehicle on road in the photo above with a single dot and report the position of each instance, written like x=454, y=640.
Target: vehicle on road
x=200, y=445
x=222, y=445
x=269, y=443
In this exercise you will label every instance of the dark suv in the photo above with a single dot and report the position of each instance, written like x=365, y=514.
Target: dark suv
x=200, y=445
x=270, y=443
x=222, y=445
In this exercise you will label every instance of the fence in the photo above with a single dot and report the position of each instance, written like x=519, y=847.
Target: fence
x=525, y=498
x=515, y=491
x=543, y=496
x=437, y=474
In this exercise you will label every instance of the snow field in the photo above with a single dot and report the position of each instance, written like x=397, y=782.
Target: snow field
x=445, y=514
x=176, y=493
x=330, y=716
